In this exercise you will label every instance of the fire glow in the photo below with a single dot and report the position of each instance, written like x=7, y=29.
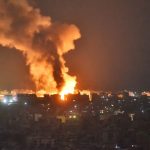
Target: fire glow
x=42, y=42
x=69, y=88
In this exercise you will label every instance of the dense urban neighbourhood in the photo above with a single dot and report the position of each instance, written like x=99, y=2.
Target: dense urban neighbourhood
x=101, y=121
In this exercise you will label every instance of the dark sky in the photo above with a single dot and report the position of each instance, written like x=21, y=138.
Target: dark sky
x=113, y=53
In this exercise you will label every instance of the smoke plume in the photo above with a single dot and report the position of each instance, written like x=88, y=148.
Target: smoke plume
x=42, y=42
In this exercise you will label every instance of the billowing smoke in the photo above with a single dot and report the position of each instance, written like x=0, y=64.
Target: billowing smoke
x=42, y=42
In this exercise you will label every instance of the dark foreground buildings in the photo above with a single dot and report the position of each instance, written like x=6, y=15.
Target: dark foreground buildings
x=110, y=121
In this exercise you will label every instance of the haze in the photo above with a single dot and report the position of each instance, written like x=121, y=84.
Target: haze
x=113, y=52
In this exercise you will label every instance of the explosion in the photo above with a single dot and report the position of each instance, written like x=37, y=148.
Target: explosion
x=42, y=42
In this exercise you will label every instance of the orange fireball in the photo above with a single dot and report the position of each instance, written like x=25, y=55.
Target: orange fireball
x=68, y=88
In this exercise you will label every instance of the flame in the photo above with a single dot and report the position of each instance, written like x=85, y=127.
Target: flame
x=69, y=87
x=86, y=92
x=147, y=93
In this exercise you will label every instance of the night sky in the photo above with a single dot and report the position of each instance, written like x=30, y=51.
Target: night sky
x=113, y=53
